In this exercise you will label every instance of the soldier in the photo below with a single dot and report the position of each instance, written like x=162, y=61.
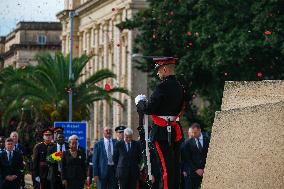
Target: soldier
x=40, y=166
x=119, y=132
x=165, y=106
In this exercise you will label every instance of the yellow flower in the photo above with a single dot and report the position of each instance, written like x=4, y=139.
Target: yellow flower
x=56, y=156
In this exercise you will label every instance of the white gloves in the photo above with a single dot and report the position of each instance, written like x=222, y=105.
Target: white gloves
x=37, y=179
x=140, y=97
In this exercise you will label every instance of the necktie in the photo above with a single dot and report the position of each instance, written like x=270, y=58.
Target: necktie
x=60, y=148
x=10, y=156
x=199, y=144
x=109, y=156
x=128, y=147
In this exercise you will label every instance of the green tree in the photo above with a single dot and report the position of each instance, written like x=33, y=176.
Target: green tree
x=44, y=89
x=215, y=41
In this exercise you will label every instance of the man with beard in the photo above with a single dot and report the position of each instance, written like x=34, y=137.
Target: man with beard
x=54, y=172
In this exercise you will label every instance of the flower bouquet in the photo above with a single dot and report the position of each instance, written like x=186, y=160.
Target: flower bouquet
x=54, y=157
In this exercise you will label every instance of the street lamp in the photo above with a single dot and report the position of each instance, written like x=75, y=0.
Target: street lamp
x=72, y=14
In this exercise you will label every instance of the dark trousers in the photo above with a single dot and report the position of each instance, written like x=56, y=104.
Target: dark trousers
x=128, y=182
x=110, y=181
x=11, y=185
x=187, y=182
x=75, y=184
x=195, y=182
x=57, y=184
x=169, y=157
x=44, y=183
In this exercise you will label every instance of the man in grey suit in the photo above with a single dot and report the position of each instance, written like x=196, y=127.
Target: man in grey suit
x=103, y=165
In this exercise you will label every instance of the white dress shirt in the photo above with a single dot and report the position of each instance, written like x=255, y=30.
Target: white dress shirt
x=200, y=140
x=106, y=141
x=63, y=147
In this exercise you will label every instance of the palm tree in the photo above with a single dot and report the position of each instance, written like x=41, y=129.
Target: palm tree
x=44, y=89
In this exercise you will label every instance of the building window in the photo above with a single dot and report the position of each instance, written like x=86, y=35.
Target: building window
x=41, y=39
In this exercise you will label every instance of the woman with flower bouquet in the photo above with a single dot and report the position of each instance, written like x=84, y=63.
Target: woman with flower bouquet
x=74, y=165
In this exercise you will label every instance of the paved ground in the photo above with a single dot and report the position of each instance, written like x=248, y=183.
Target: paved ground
x=28, y=181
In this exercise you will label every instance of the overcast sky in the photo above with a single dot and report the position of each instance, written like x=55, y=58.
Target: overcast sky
x=13, y=11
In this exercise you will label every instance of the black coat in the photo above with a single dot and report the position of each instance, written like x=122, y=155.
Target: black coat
x=19, y=147
x=166, y=100
x=192, y=157
x=127, y=163
x=53, y=167
x=74, y=168
x=14, y=167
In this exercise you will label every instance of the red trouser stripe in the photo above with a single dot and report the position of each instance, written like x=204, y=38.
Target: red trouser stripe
x=165, y=174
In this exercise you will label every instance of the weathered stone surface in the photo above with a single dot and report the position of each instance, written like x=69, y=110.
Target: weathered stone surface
x=247, y=148
x=243, y=94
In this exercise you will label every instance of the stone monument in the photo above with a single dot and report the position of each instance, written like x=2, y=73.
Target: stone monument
x=247, y=144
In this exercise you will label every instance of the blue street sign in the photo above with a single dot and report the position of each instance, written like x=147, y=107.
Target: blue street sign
x=74, y=128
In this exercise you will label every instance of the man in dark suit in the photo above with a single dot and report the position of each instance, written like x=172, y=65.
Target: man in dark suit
x=17, y=146
x=54, y=175
x=194, y=155
x=11, y=163
x=126, y=157
x=103, y=165
x=20, y=148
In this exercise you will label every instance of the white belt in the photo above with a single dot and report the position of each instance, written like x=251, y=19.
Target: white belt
x=171, y=118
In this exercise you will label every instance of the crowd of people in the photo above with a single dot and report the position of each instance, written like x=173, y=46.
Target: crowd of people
x=120, y=162
x=112, y=163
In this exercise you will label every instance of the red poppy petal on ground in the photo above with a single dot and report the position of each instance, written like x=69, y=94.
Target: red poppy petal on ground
x=189, y=33
x=259, y=74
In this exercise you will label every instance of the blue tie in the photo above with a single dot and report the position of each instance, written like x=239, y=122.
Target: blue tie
x=109, y=155
x=128, y=147
x=10, y=156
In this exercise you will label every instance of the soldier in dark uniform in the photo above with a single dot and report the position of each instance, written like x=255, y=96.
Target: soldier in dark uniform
x=165, y=106
x=40, y=166
x=119, y=132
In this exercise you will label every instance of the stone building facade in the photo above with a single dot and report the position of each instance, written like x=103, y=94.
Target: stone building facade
x=19, y=47
x=95, y=32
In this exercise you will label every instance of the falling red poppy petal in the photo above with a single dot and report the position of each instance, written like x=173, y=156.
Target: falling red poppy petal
x=107, y=87
x=267, y=32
